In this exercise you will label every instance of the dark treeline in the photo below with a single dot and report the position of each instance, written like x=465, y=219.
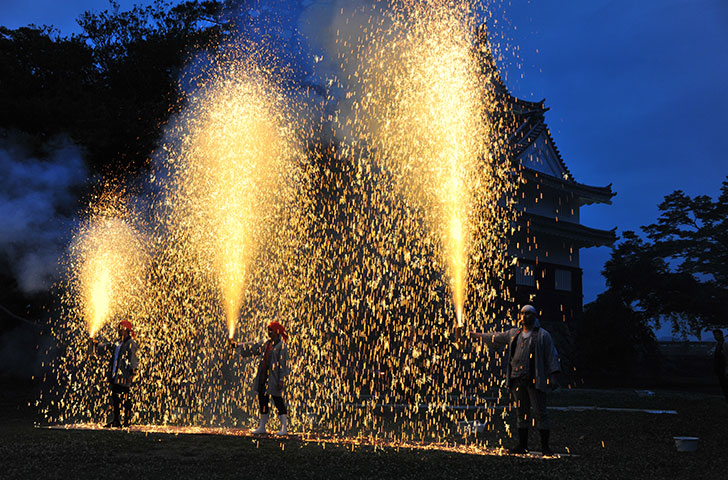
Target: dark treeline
x=108, y=88
x=675, y=272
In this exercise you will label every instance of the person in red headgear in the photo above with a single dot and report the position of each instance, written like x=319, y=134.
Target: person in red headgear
x=272, y=373
x=122, y=370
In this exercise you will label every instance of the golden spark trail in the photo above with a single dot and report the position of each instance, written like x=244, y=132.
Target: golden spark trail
x=422, y=103
x=110, y=265
x=97, y=298
x=233, y=158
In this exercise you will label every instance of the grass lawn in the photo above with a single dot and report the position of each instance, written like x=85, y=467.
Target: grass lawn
x=605, y=444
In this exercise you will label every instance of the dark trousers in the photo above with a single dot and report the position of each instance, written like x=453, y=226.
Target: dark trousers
x=120, y=394
x=526, y=397
x=263, y=401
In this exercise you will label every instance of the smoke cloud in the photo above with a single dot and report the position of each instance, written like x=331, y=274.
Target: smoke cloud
x=39, y=191
x=307, y=35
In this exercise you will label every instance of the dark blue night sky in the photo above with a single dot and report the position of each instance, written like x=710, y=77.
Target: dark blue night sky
x=637, y=92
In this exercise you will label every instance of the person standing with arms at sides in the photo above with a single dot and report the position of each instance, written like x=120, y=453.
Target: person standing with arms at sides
x=272, y=373
x=531, y=365
x=122, y=370
x=720, y=359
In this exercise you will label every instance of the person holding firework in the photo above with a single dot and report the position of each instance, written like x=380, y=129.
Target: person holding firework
x=123, y=367
x=271, y=375
x=532, y=364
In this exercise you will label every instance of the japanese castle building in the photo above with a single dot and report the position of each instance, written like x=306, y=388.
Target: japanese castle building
x=550, y=236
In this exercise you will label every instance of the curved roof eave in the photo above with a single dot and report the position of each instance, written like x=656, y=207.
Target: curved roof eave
x=583, y=235
x=587, y=194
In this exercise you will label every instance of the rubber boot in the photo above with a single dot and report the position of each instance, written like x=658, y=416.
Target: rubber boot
x=284, y=425
x=545, y=449
x=522, y=446
x=261, y=428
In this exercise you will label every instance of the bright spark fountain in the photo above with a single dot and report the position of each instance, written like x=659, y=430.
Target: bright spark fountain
x=422, y=108
x=232, y=160
x=109, y=261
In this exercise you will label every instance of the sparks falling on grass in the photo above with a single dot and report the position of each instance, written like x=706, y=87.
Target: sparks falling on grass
x=361, y=247
x=228, y=160
x=216, y=190
x=422, y=227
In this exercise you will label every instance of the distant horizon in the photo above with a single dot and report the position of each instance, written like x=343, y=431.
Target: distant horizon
x=707, y=336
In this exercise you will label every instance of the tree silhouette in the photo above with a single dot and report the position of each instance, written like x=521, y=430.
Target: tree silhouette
x=676, y=273
x=109, y=88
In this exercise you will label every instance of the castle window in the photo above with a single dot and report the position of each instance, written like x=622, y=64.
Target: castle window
x=562, y=280
x=525, y=276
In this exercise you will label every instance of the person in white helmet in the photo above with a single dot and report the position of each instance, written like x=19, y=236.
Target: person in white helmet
x=532, y=363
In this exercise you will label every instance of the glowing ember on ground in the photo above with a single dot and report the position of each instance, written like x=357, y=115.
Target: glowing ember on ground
x=363, y=442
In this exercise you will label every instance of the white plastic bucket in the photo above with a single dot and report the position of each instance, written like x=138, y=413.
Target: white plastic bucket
x=686, y=444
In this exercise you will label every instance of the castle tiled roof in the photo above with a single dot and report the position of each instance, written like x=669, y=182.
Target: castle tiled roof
x=587, y=194
x=525, y=119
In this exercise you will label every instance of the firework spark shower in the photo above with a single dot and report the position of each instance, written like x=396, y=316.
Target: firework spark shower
x=370, y=245
x=231, y=161
x=421, y=106
x=109, y=268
